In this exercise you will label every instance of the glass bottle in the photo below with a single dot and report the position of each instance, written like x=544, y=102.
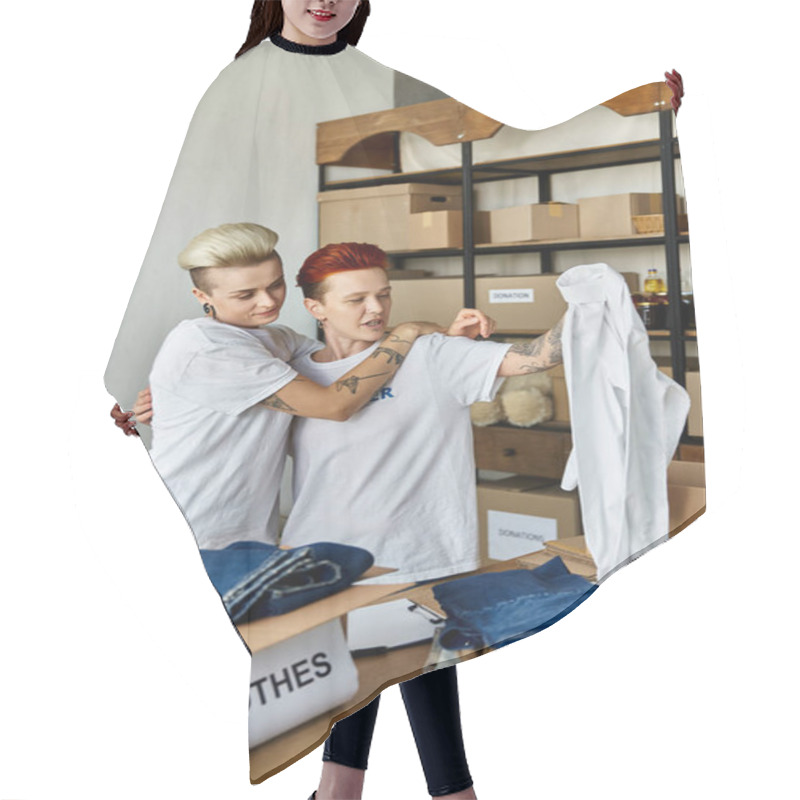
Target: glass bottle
x=653, y=284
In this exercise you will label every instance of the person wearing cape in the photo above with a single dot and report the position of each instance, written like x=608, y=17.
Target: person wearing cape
x=249, y=155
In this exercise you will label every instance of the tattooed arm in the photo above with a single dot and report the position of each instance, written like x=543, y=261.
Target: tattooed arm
x=539, y=354
x=339, y=401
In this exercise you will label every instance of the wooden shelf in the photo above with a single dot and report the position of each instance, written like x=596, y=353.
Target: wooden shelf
x=642, y=100
x=350, y=142
x=690, y=335
x=368, y=140
x=543, y=245
x=657, y=335
x=639, y=152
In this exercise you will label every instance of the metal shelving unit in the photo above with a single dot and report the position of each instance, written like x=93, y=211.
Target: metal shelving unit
x=378, y=147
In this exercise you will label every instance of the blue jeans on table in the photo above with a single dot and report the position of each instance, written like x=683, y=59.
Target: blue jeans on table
x=498, y=607
x=259, y=580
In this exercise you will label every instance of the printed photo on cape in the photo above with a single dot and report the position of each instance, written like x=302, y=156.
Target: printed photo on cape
x=466, y=504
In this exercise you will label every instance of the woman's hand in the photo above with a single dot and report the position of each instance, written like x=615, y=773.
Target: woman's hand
x=142, y=412
x=122, y=419
x=675, y=82
x=143, y=407
x=470, y=322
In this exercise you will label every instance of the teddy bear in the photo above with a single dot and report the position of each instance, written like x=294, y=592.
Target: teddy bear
x=522, y=400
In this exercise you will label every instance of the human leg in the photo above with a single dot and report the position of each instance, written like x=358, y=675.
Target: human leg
x=345, y=755
x=433, y=710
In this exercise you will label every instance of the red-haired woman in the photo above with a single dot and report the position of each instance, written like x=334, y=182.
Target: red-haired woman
x=398, y=479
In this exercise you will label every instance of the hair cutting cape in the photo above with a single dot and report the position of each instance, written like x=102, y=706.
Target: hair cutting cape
x=327, y=620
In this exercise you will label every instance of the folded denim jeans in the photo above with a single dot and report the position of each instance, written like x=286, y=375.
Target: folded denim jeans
x=259, y=580
x=498, y=607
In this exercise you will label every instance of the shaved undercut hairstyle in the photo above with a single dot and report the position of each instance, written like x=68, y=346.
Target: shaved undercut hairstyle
x=239, y=244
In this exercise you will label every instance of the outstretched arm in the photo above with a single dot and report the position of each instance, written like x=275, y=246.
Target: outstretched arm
x=343, y=398
x=471, y=322
x=351, y=392
x=540, y=354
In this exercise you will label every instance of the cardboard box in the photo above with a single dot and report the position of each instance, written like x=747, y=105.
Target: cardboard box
x=428, y=230
x=612, y=215
x=695, y=421
x=691, y=452
x=527, y=303
x=534, y=222
x=429, y=299
x=518, y=303
x=515, y=518
x=380, y=214
x=524, y=303
x=407, y=274
x=634, y=281
x=560, y=400
x=572, y=550
x=687, y=473
x=686, y=503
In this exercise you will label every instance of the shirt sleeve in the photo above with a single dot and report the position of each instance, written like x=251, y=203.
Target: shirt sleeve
x=300, y=345
x=464, y=368
x=232, y=376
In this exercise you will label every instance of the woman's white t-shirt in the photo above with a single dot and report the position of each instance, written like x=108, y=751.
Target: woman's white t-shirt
x=399, y=477
x=219, y=452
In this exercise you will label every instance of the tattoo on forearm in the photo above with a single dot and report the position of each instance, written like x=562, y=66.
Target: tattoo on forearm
x=392, y=356
x=351, y=383
x=275, y=402
x=528, y=349
x=554, y=340
x=542, y=353
x=396, y=339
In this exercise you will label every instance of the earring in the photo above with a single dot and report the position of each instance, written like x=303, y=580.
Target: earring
x=209, y=310
x=320, y=324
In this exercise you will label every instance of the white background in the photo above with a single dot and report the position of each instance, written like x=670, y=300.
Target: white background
x=122, y=678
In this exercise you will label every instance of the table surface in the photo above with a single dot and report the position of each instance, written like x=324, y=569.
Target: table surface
x=375, y=672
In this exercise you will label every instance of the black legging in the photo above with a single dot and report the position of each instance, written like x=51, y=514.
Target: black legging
x=431, y=702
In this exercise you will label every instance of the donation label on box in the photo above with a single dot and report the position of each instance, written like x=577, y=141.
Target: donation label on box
x=512, y=535
x=511, y=296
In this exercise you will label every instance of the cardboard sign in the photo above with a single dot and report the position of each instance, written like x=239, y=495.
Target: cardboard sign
x=298, y=679
x=512, y=535
x=511, y=295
